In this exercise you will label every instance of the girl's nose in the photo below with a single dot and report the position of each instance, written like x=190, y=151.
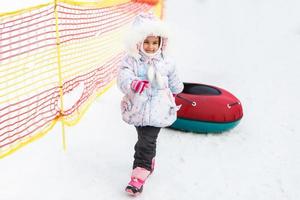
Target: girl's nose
x=152, y=46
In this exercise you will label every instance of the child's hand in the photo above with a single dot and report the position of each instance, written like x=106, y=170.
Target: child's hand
x=139, y=85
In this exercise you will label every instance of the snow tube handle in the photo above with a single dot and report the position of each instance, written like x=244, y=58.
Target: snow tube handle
x=229, y=105
x=188, y=100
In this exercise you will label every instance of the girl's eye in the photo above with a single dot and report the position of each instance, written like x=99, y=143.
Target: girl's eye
x=146, y=42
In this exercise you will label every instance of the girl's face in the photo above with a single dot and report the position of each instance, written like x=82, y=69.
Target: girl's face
x=151, y=44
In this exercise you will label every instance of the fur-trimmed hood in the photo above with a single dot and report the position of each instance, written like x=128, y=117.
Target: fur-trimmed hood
x=145, y=24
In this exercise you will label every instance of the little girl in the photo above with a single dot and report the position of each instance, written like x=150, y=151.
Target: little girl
x=149, y=81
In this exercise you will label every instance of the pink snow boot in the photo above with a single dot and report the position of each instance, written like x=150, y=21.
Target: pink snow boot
x=138, y=178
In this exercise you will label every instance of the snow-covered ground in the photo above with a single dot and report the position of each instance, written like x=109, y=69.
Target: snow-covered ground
x=250, y=48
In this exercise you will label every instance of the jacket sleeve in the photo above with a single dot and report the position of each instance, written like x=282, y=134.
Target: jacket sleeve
x=175, y=84
x=126, y=75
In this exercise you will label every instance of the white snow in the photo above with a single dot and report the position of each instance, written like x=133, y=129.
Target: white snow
x=249, y=47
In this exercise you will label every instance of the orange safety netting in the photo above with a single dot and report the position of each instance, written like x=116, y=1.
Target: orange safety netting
x=55, y=59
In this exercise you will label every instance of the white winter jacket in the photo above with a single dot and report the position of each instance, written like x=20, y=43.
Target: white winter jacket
x=155, y=106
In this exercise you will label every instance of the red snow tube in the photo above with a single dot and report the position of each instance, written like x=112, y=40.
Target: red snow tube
x=207, y=109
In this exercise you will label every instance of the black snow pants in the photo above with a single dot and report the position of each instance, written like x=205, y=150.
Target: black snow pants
x=145, y=148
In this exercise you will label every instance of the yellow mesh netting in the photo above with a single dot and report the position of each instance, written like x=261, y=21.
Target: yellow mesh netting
x=55, y=59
